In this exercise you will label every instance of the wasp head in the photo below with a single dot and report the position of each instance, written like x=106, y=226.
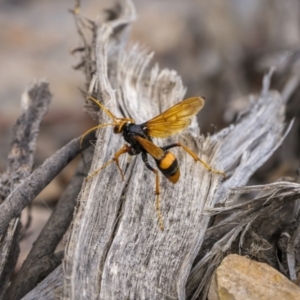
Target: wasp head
x=120, y=123
x=119, y=127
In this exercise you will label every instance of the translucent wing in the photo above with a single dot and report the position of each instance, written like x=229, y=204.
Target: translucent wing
x=151, y=148
x=174, y=119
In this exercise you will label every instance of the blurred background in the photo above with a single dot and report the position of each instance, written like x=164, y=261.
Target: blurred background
x=221, y=49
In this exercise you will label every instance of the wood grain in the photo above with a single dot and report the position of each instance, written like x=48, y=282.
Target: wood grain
x=115, y=248
x=115, y=237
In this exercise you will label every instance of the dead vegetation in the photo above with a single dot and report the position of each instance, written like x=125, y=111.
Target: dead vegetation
x=114, y=248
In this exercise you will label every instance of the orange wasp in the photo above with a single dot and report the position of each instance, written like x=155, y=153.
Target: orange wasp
x=139, y=137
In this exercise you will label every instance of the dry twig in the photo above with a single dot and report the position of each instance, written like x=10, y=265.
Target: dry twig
x=34, y=104
x=43, y=248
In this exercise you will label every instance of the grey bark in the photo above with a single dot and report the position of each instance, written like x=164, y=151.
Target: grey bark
x=49, y=288
x=34, y=104
x=115, y=237
x=41, y=260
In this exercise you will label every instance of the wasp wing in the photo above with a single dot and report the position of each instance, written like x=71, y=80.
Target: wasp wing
x=155, y=151
x=174, y=119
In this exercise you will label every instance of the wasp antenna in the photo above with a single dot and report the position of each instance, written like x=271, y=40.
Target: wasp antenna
x=109, y=113
x=92, y=129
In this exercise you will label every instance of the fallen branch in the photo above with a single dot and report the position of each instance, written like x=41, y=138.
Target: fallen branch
x=59, y=221
x=131, y=249
x=25, y=192
x=34, y=104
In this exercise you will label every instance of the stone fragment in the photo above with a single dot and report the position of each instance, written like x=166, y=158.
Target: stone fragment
x=241, y=278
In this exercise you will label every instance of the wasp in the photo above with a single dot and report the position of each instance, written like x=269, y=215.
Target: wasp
x=139, y=139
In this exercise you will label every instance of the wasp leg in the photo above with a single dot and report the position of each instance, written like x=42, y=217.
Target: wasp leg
x=157, y=191
x=115, y=159
x=195, y=157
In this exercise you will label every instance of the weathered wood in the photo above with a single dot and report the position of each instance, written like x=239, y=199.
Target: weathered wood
x=246, y=145
x=115, y=238
x=49, y=288
x=264, y=215
x=23, y=186
x=115, y=249
x=34, y=104
x=44, y=246
x=25, y=192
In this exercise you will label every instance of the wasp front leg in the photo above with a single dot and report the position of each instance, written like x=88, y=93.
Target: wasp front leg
x=123, y=150
x=157, y=191
x=195, y=157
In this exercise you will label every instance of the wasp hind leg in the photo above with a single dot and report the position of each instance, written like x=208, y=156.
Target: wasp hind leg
x=195, y=157
x=157, y=191
x=123, y=150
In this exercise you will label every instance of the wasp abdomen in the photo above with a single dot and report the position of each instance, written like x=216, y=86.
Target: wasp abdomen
x=168, y=165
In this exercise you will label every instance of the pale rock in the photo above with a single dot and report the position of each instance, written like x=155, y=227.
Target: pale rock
x=241, y=278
